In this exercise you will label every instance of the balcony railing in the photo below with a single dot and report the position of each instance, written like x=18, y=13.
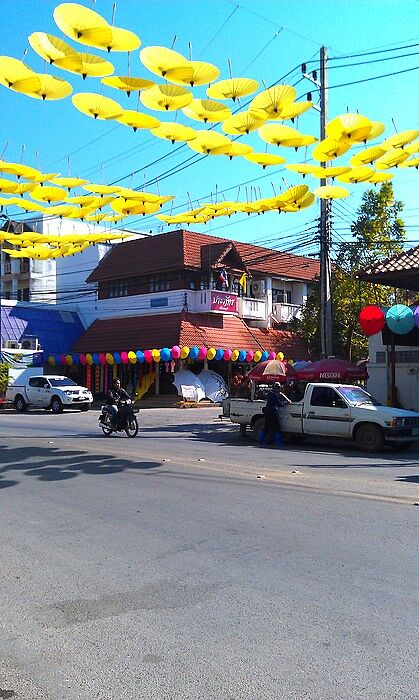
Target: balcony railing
x=23, y=266
x=7, y=268
x=252, y=308
x=284, y=313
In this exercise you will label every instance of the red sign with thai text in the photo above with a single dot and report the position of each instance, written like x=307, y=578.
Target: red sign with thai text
x=223, y=301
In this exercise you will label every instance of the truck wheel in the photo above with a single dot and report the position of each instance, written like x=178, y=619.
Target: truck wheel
x=56, y=404
x=20, y=404
x=85, y=407
x=401, y=446
x=369, y=438
x=257, y=428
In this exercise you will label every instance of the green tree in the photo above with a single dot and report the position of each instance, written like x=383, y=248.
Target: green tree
x=377, y=233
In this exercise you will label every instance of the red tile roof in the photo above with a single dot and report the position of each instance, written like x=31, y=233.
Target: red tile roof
x=400, y=270
x=179, y=250
x=211, y=330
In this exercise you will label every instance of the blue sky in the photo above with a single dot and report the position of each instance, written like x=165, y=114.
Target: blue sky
x=264, y=40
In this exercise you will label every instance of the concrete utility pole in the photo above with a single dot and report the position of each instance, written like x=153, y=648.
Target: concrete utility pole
x=326, y=334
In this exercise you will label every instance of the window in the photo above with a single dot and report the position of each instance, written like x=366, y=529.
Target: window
x=118, y=289
x=25, y=294
x=38, y=382
x=63, y=381
x=356, y=395
x=159, y=283
x=327, y=397
x=282, y=296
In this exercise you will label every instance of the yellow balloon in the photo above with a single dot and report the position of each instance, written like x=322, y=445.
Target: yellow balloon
x=89, y=359
x=184, y=352
x=280, y=356
x=132, y=357
x=156, y=355
x=110, y=358
x=257, y=356
x=211, y=353
x=291, y=362
x=51, y=360
x=68, y=360
x=234, y=355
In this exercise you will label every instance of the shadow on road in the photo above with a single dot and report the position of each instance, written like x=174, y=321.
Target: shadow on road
x=53, y=464
x=410, y=478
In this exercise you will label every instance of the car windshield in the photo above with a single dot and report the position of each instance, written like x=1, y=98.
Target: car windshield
x=356, y=395
x=62, y=382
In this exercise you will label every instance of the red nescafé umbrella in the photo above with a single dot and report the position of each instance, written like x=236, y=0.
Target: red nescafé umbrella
x=331, y=370
x=271, y=371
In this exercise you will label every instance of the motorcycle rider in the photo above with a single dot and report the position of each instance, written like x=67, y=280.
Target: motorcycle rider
x=114, y=397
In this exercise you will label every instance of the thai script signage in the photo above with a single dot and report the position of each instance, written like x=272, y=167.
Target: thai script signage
x=224, y=302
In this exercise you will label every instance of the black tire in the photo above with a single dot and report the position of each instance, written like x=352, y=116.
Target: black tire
x=257, y=428
x=56, y=405
x=369, y=438
x=131, y=428
x=401, y=446
x=20, y=404
x=106, y=431
x=85, y=407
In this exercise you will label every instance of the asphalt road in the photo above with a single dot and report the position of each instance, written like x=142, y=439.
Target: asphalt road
x=163, y=567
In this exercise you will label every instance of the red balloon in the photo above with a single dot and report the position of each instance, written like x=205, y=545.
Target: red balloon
x=372, y=320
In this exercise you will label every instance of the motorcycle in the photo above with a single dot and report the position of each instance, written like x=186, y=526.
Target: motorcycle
x=125, y=421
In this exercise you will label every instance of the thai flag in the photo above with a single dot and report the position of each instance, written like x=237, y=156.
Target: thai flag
x=224, y=277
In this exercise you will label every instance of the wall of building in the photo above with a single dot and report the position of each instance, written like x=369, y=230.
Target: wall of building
x=407, y=373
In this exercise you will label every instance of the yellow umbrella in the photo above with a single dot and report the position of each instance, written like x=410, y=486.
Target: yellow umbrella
x=97, y=106
x=277, y=133
x=329, y=149
x=85, y=200
x=369, y=155
x=88, y=65
x=82, y=24
x=199, y=73
x=29, y=206
x=44, y=177
x=264, y=159
x=9, y=201
x=129, y=208
x=166, y=97
x=233, y=150
x=68, y=182
x=400, y=140
x=48, y=194
x=173, y=132
x=324, y=173
x=120, y=40
x=103, y=201
x=354, y=127
x=102, y=189
x=159, y=59
x=44, y=87
x=137, y=120
x=270, y=102
x=376, y=130
x=302, y=168
x=381, y=177
x=302, y=203
x=232, y=88
x=293, y=110
x=331, y=192
x=359, y=174
x=113, y=217
x=207, y=111
x=96, y=217
x=242, y=123
x=411, y=163
x=58, y=210
x=12, y=70
x=7, y=186
x=127, y=84
x=208, y=141
x=299, y=141
x=51, y=48
x=413, y=148
x=391, y=159
x=24, y=187
x=293, y=195
x=20, y=170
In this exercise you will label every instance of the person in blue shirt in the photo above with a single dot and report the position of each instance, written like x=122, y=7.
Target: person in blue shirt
x=275, y=401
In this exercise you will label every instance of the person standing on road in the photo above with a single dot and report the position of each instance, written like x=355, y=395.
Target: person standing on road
x=275, y=401
x=113, y=398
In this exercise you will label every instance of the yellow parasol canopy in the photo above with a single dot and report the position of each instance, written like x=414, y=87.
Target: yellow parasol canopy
x=302, y=203
x=12, y=70
x=264, y=159
x=411, y=163
x=96, y=217
x=328, y=149
x=377, y=129
x=68, y=182
x=159, y=59
x=207, y=111
x=299, y=141
x=88, y=65
x=113, y=217
x=412, y=148
x=44, y=87
x=242, y=123
x=324, y=173
x=19, y=169
x=354, y=127
x=401, y=140
x=173, y=132
x=369, y=155
x=7, y=186
x=97, y=106
x=270, y=102
x=131, y=207
x=137, y=120
x=58, y=210
x=48, y=194
x=29, y=206
x=355, y=175
x=293, y=110
x=232, y=88
x=293, y=194
x=391, y=159
x=381, y=177
x=302, y=168
x=166, y=97
x=120, y=40
x=51, y=48
x=82, y=24
x=127, y=84
x=278, y=133
x=233, y=149
x=25, y=187
x=84, y=200
x=102, y=189
x=208, y=141
x=331, y=192
x=197, y=73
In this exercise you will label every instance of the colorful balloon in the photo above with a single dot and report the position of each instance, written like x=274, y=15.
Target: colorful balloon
x=211, y=353
x=280, y=356
x=109, y=358
x=219, y=354
x=250, y=355
x=95, y=358
x=82, y=359
x=291, y=362
x=202, y=353
x=227, y=354
x=175, y=352
x=372, y=320
x=51, y=360
x=148, y=356
x=89, y=359
x=272, y=356
x=68, y=360
x=155, y=355
x=257, y=356
x=75, y=359
x=242, y=355
x=165, y=355
x=184, y=353
x=132, y=357
x=400, y=319
x=416, y=316
x=116, y=357
x=140, y=356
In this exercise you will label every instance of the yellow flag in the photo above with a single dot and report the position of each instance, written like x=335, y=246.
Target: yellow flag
x=243, y=282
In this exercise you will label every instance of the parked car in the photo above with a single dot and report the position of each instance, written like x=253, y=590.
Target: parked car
x=333, y=411
x=52, y=392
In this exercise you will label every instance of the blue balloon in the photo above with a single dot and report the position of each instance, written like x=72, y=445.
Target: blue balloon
x=76, y=359
x=219, y=354
x=140, y=355
x=117, y=358
x=265, y=356
x=400, y=319
x=165, y=354
x=193, y=353
x=95, y=358
x=57, y=359
x=242, y=356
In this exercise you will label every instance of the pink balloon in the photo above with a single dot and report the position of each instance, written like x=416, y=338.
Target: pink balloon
x=175, y=352
x=271, y=356
x=148, y=356
x=227, y=354
x=124, y=358
x=249, y=355
x=102, y=358
x=63, y=360
x=82, y=359
x=202, y=353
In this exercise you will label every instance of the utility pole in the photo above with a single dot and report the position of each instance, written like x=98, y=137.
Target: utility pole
x=325, y=319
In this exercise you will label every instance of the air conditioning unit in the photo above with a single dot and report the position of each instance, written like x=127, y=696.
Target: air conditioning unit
x=29, y=343
x=258, y=287
x=11, y=344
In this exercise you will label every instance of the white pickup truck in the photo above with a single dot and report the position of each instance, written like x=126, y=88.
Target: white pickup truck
x=333, y=411
x=52, y=392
